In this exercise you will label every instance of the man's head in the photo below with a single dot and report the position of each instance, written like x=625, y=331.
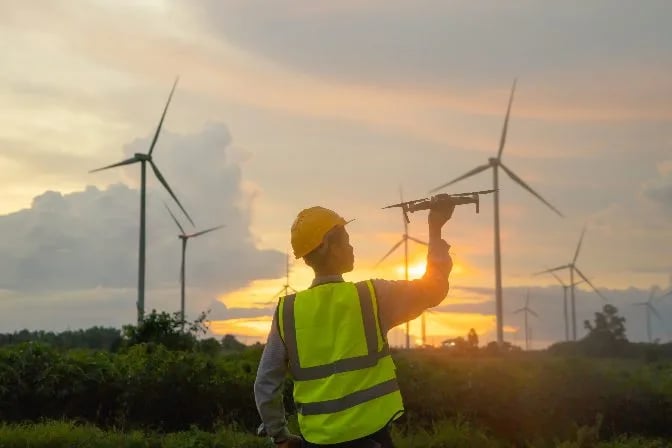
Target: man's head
x=320, y=238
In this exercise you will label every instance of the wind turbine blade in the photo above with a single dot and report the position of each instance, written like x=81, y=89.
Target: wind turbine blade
x=389, y=252
x=163, y=116
x=668, y=293
x=533, y=313
x=558, y=278
x=464, y=176
x=502, y=140
x=417, y=241
x=655, y=312
x=519, y=310
x=203, y=232
x=589, y=283
x=527, y=299
x=579, y=282
x=578, y=247
x=522, y=183
x=559, y=268
x=293, y=290
x=170, y=191
x=174, y=218
x=403, y=216
x=122, y=163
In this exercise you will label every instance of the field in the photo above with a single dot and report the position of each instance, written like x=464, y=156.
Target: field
x=149, y=396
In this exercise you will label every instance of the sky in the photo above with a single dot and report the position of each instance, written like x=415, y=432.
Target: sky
x=298, y=103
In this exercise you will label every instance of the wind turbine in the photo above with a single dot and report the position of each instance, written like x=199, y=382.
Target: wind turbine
x=527, y=310
x=574, y=269
x=495, y=163
x=405, y=238
x=286, y=287
x=565, y=287
x=143, y=159
x=650, y=309
x=185, y=237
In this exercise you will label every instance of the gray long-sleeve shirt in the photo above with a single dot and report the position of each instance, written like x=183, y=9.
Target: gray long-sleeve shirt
x=398, y=301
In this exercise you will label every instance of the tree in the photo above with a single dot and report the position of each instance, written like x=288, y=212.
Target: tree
x=230, y=343
x=167, y=330
x=606, y=336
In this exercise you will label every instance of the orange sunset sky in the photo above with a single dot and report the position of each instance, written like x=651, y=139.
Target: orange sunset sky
x=304, y=103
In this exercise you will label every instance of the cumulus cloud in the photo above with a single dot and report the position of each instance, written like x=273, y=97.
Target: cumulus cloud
x=89, y=239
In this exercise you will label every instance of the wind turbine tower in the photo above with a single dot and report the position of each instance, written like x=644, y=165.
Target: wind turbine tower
x=496, y=163
x=527, y=310
x=143, y=159
x=185, y=237
x=405, y=238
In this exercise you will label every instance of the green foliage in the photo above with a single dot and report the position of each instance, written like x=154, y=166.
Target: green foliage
x=69, y=435
x=606, y=336
x=96, y=338
x=167, y=330
x=446, y=434
x=516, y=399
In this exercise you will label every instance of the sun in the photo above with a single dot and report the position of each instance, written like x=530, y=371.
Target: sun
x=415, y=270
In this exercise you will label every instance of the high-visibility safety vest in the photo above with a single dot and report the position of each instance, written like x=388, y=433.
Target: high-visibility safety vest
x=345, y=384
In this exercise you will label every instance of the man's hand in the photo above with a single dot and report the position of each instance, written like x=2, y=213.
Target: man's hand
x=438, y=217
x=292, y=441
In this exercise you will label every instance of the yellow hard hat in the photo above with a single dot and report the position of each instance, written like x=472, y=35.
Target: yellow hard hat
x=310, y=227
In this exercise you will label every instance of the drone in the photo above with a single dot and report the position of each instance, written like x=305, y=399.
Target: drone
x=439, y=201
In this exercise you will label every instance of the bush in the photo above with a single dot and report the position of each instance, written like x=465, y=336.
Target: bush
x=516, y=398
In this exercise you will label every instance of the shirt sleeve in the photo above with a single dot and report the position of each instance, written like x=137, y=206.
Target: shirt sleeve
x=400, y=300
x=268, y=392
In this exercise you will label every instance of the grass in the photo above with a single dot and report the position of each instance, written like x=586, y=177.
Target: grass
x=452, y=434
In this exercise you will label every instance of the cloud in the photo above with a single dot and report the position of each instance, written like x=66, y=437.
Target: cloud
x=432, y=41
x=660, y=190
x=219, y=311
x=88, y=240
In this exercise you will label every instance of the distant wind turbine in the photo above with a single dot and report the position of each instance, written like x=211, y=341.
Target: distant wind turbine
x=405, y=238
x=574, y=269
x=286, y=287
x=650, y=309
x=495, y=163
x=143, y=159
x=185, y=237
x=527, y=310
x=565, y=287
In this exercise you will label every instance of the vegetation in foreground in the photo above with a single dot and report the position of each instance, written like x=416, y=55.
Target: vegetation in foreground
x=443, y=435
x=162, y=386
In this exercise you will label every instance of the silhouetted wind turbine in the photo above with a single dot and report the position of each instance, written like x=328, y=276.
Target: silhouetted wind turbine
x=572, y=269
x=495, y=163
x=650, y=309
x=143, y=159
x=565, y=287
x=286, y=287
x=527, y=310
x=185, y=237
x=405, y=238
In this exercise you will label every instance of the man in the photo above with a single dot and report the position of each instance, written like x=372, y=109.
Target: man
x=332, y=339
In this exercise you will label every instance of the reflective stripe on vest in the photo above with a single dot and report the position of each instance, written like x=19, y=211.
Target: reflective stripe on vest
x=342, y=365
x=350, y=400
x=345, y=388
